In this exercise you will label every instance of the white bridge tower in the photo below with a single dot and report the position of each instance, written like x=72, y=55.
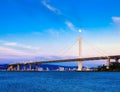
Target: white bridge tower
x=80, y=53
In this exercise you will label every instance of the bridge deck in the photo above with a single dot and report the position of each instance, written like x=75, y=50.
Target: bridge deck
x=71, y=60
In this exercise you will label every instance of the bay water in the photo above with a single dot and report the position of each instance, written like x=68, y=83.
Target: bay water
x=59, y=81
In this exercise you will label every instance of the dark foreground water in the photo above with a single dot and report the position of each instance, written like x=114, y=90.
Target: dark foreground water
x=59, y=81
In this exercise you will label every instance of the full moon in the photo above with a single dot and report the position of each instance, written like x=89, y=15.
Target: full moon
x=80, y=30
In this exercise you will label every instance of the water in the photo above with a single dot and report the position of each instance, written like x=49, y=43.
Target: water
x=59, y=81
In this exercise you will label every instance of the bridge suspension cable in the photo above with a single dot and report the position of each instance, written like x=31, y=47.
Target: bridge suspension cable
x=66, y=48
x=63, y=51
x=100, y=51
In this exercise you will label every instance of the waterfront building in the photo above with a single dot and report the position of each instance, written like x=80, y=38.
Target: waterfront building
x=61, y=69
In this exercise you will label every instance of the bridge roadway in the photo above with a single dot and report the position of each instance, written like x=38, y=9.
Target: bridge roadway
x=116, y=57
x=16, y=67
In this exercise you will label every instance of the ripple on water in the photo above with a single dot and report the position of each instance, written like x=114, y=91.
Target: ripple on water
x=59, y=81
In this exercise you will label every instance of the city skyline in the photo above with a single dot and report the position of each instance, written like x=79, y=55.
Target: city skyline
x=38, y=28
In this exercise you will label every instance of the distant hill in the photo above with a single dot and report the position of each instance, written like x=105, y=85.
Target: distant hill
x=3, y=66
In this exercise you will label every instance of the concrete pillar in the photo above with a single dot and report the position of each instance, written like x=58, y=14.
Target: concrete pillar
x=10, y=68
x=36, y=67
x=14, y=67
x=30, y=67
x=117, y=60
x=24, y=67
x=108, y=63
x=79, y=65
x=18, y=67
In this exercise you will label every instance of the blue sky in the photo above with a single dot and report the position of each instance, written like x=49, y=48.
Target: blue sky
x=36, y=29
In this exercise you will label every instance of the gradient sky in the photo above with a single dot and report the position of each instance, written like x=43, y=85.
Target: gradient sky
x=39, y=29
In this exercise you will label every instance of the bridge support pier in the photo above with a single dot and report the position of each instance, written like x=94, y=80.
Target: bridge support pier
x=24, y=67
x=30, y=67
x=15, y=68
x=117, y=60
x=36, y=67
x=108, y=63
x=10, y=68
x=79, y=65
x=18, y=67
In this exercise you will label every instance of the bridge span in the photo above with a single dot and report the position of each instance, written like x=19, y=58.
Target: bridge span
x=16, y=66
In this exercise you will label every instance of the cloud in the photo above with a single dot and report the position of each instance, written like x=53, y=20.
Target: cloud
x=8, y=55
x=15, y=44
x=14, y=50
x=116, y=19
x=69, y=24
x=50, y=7
x=34, y=50
x=10, y=44
x=116, y=24
x=9, y=51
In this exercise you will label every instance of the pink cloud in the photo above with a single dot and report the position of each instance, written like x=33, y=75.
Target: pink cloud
x=116, y=19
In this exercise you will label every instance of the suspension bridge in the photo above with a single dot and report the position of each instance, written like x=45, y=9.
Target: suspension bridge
x=79, y=59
